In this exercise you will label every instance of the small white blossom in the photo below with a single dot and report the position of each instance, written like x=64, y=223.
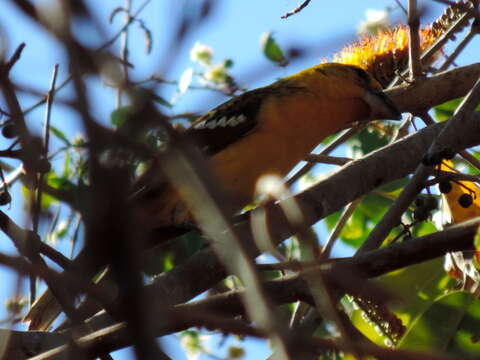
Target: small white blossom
x=376, y=20
x=201, y=53
x=217, y=74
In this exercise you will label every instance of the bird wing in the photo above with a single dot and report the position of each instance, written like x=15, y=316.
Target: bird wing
x=232, y=120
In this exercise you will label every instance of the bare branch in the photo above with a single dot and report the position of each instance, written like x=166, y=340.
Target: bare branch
x=299, y=8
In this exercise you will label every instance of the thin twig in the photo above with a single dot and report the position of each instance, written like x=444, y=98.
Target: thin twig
x=12, y=100
x=14, y=58
x=75, y=235
x=339, y=140
x=37, y=206
x=99, y=49
x=453, y=56
x=27, y=244
x=400, y=5
x=470, y=158
x=415, y=66
x=325, y=300
x=402, y=130
x=122, y=29
x=46, y=142
x=124, y=50
x=296, y=10
x=326, y=159
x=456, y=176
x=339, y=227
x=13, y=154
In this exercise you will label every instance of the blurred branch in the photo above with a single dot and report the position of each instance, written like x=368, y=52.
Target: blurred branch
x=184, y=167
x=286, y=290
x=36, y=207
x=124, y=27
x=28, y=9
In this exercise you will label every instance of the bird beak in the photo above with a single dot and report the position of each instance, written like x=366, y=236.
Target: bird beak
x=381, y=106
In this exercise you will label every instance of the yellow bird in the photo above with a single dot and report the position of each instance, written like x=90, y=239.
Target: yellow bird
x=268, y=131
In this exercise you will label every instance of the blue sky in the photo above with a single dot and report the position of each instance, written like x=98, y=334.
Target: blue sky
x=233, y=32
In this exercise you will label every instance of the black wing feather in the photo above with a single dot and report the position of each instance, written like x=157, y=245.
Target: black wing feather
x=212, y=138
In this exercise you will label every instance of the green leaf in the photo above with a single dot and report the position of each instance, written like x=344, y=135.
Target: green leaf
x=424, y=228
x=66, y=165
x=61, y=230
x=228, y=63
x=445, y=111
x=367, y=328
x=60, y=183
x=367, y=141
x=374, y=206
x=355, y=231
x=47, y=200
x=394, y=187
x=368, y=212
x=119, y=117
x=416, y=286
x=60, y=135
x=450, y=325
x=175, y=252
x=476, y=239
x=271, y=49
x=160, y=100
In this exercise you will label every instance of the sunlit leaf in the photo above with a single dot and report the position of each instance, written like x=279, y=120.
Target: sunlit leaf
x=185, y=80
x=66, y=165
x=445, y=111
x=119, y=116
x=367, y=141
x=415, y=287
x=60, y=135
x=357, y=317
x=450, y=325
x=47, y=200
x=271, y=49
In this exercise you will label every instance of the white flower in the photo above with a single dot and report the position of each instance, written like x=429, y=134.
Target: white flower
x=190, y=341
x=376, y=20
x=201, y=53
x=377, y=15
x=217, y=74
